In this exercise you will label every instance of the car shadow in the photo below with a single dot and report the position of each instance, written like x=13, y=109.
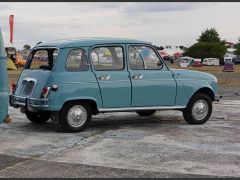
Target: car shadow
x=106, y=123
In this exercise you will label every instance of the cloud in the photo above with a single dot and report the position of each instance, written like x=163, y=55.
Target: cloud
x=160, y=7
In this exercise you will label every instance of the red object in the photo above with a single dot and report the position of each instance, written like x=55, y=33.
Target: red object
x=11, y=21
x=197, y=64
x=13, y=87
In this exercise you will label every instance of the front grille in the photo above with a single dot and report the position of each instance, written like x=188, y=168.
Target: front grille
x=27, y=88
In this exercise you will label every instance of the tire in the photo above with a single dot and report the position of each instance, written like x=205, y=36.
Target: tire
x=201, y=115
x=146, y=113
x=68, y=120
x=38, y=117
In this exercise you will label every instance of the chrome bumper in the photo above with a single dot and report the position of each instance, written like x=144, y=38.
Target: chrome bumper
x=217, y=97
x=17, y=101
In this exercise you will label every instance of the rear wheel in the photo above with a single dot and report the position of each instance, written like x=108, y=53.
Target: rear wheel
x=38, y=117
x=198, y=110
x=146, y=113
x=75, y=116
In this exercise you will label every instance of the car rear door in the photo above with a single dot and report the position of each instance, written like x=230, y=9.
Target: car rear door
x=152, y=83
x=108, y=63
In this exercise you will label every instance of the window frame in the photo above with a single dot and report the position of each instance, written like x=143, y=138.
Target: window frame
x=65, y=67
x=154, y=50
x=33, y=51
x=108, y=45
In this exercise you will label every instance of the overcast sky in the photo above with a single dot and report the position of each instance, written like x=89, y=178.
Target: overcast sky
x=175, y=23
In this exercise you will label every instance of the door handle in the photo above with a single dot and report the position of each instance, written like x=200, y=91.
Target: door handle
x=104, y=77
x=137, y=76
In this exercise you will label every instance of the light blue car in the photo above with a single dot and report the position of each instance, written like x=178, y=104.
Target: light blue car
x=4, y=90
x=84, y=77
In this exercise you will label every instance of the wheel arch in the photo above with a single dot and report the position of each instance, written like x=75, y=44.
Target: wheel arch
x=205, y=90
x=91, y=102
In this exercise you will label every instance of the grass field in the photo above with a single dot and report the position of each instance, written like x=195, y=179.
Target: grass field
x=224, y=78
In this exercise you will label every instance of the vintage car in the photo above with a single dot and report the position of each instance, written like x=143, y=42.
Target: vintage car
x=228, y=66
x=84, y=77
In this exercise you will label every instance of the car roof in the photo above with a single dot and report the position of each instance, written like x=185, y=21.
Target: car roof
x=88, y=41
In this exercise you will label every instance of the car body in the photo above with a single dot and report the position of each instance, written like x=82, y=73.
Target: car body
x=98, y=75
x=4, y=91
x=211, y=62
x=228, y=66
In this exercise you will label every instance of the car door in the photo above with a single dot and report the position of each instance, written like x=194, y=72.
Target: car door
x=152, y=83
x=108, y=63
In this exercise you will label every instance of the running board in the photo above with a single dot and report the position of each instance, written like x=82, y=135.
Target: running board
x=140, y=108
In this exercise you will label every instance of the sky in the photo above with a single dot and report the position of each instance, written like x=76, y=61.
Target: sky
x=161, y=23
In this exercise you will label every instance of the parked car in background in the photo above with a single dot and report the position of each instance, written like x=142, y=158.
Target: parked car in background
x=228, y=66
x=20, y=60
x=211, y=62
x=197, y=64
x=82, y=82
x=168, y=58
x=236, y=60
x=228, y=59
x=185, y=61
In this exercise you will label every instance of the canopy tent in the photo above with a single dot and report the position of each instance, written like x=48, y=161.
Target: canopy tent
x=10, y=65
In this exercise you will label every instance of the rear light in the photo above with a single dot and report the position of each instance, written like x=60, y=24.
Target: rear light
x=45, y=92
x=13, y=87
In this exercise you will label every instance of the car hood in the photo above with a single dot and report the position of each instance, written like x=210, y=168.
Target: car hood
x=190, y=74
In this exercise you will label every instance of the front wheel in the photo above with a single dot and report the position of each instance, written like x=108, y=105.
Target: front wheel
x=74, y=117
x=38, y=117
x=198, y=110
x=146, y=113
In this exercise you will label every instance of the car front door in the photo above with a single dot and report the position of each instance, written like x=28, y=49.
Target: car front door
x=152, y=83
x=108, y=63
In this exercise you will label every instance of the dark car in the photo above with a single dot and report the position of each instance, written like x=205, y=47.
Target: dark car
x=236, y=60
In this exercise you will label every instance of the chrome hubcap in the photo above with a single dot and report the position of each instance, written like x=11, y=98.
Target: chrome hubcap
x=77, y=116
x=200, y=109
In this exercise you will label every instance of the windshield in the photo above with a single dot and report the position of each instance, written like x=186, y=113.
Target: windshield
x=42, y=59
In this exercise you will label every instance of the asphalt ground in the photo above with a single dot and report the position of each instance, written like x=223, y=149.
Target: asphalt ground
x=125, y=145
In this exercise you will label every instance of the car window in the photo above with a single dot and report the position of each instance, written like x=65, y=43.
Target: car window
x=107, y=58
x=77, y=60
x=135, y=59
x=40, y=58
x=143, y=57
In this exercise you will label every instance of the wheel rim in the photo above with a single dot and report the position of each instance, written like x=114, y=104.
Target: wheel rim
x=77, y=116
x=200, y=109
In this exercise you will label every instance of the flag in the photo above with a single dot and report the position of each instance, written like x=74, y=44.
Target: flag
x=11, y=19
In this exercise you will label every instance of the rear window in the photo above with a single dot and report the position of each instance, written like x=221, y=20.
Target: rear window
x=42, y=59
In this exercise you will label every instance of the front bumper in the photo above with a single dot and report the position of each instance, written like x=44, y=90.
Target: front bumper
x=28, y=103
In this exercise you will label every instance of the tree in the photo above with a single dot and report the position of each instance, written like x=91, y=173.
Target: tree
x=209, y=45
x=206, y=50
x=26, y=46
x=209, y=36
x=237, y=46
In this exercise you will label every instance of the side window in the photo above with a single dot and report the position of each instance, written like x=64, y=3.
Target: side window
x=135, y=58
x=143, y=57
x=77, y=61
x=107, y=58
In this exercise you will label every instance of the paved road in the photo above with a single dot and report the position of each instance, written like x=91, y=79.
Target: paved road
x=125, y=145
